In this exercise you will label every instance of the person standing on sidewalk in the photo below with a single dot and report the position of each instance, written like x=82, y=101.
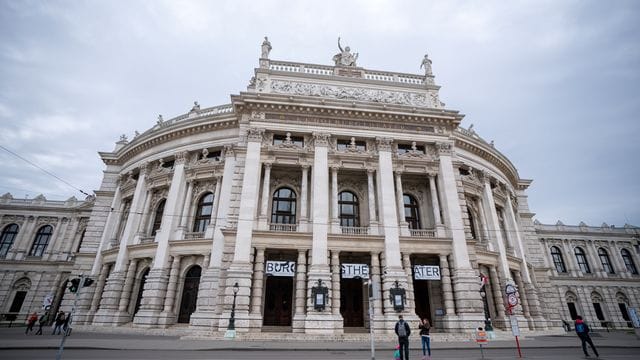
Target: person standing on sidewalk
x=31, y=320
x=59, y=322
x=403, y=331
x=426, y=339
x=42, y=322
x=582, y=329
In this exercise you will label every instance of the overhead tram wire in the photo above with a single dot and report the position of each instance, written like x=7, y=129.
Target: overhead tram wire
x=44, y=170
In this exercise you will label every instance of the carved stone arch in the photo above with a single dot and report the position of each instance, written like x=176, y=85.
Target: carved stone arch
x=570, y=296
x=202, y=187
x=358, y=192
x=621, y=297
x=596, y=297
x=22, y=284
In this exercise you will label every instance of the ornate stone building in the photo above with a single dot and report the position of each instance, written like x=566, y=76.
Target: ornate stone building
x=315, y=180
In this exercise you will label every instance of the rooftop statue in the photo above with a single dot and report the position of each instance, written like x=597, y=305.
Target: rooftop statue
x=426, y=63
x=345, y=57
x=266, y=48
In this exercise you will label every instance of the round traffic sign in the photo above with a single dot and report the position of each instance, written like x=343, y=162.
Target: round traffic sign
x=512, y=299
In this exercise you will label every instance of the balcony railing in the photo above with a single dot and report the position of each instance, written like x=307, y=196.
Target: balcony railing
x=193, y=235
x=283, y=227
x=147, y=239
x=429, y=233
x=355, y=230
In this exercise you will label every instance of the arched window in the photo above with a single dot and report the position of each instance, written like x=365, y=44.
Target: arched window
x=283, y=209
x=582, y=260
x=557, y=260
x=157, y=219
x=348, y=203
x=42, y=240
x=606, y=262
x=411, y=212
x=472, y=224
x=203, y=213
x=628, y=261
x=6, y=239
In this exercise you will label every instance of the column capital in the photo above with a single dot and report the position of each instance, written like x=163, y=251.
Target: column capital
x=444, y=148
x=321, y=138
x=267, y=164
x=144, y=168
x=334, y=168
x=255, y=134
x=181, y=157
x=384, y=143
x=371, y=171
x=305, y=166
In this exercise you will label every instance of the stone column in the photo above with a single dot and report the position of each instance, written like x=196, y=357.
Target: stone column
x=402, y=223
x=97, y=295
x=209, y=308
x=406, y=262
x=434, y=203
x=144, y=219
x=469, y=305
x=258, y=284
x=498, y=298
x=155, y=287
x=371, y=200
x=122, y=316
x=167, y=316
x=214, y=211
x=108, y=230
x=335, y=282
x=375, y=277
x=447, y=290
x=133, y=220
x=266, y=193
x=301, y=292
x=483, y=219
x=185, y=224
x=524, y=301
x=493, y=223
x=335, y=212
x=304, y=189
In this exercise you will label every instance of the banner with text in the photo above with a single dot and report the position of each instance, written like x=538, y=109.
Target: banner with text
x=350, y=271
x=281, y=268
x=426, y=272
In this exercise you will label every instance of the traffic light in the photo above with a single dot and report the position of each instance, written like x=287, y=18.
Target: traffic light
x=87, y=282
x=75, y=283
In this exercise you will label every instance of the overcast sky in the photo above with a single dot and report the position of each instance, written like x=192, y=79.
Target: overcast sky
x=556, y=84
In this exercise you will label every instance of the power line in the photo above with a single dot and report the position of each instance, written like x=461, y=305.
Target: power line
x=43, y=170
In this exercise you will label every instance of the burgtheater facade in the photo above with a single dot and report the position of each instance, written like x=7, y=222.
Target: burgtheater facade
x=318, y=195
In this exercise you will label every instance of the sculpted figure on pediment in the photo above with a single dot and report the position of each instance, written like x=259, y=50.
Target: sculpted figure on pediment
x=345, y=57
x=426, y=64
x=265, y=48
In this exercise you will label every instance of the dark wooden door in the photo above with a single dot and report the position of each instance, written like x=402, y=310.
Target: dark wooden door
x=421, y=293
x=143, y=280
x=189, y=294
x=277, y=302
x=351, y=306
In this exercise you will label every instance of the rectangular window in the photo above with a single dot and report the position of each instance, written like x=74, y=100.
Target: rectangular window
x=344, y=145
x=405, y=148
x=599, y=313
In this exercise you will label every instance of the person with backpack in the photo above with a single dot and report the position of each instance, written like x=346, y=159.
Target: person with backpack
x=582, y=329
x=403, y=331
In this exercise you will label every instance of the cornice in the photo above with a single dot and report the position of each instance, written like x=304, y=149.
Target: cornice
x=491, y=155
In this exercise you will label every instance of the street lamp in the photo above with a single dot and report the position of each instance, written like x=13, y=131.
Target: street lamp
x=232, y=319
x=487, y=319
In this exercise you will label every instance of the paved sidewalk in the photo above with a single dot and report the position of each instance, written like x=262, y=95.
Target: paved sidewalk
x=14, y=338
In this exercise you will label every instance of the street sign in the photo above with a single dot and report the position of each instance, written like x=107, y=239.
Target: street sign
x=510, y=289
x=512, y=299
x=515, y=330
x=48, y=300
x=481, y=337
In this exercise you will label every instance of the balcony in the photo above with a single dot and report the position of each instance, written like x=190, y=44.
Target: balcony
x=283, y=227
x=193, y=235
x=354, y=230
x=147, y=239
x=425, y=233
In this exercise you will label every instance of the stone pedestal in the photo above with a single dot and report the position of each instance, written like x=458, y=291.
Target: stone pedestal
x=152, y=304
x=238, y=272
x=208, y=296
x=110, y=299
x=469, y=306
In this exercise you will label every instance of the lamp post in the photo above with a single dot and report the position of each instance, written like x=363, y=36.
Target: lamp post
x=232, y=319
x=487, y=321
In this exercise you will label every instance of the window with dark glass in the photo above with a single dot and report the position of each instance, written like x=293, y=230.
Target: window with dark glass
x=411, y=212
x=283, y=209
x=472, y=224
x=405, y=148
x=124, y=217
x=344, y=144
x=558, y=261
x=628, y=261
x=41, y=241
x=84, y=232
x=348, y=203
x=6, y=239
x=573, y=312
x=582, y=261
x=288, y=139
x=203, y=212
x=157, y=219
x=606, y=262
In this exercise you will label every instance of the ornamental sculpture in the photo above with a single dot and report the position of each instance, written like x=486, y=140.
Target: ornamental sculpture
x=266, y=48
x=345, y=57
x=426, y=63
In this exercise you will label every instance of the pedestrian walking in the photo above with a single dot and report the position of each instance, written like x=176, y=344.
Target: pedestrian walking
x=582, y=329
x=31, y=320
x=403, y=331
x=65, y=327
x=424, y=328
x=42, y=322
x=60, y=319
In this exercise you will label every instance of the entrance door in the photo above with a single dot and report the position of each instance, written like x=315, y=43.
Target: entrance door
x=140, y=291
x=189, y=294
x=351, y=306
x=421, y=293
x=16, y=305
x=277, y=302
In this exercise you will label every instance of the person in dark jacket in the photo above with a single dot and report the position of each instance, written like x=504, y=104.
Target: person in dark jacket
x=44, y=319
x=424, y=327
x=582, y=329
x=403, y=331
x=60, y=318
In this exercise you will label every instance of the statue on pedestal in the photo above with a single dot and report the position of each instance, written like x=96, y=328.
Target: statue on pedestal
x=266, y=48
x=345, y=57
x=426, y=63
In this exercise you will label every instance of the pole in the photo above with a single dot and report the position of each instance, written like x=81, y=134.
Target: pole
x=373, y=349
x=481, y=351
x=73, y=310
x=518, y=346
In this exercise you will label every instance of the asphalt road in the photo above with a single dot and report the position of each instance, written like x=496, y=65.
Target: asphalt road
x=466, y=354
